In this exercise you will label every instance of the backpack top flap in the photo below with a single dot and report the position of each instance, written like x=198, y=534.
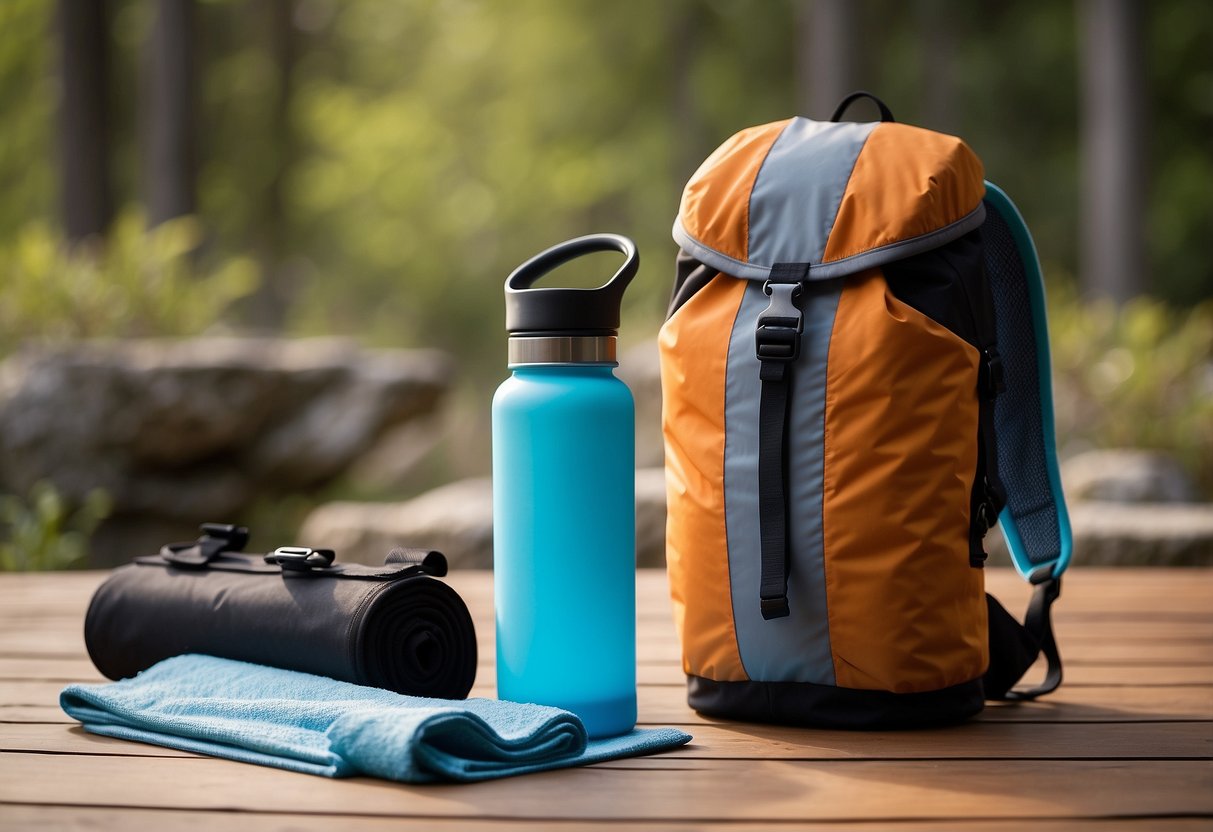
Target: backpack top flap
x=839, y=196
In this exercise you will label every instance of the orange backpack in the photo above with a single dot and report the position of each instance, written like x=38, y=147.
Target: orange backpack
x=856, y=385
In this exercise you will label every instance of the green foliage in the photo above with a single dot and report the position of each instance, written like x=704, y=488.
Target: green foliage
x=27, y=100
x=1180, y=216
x=388, y=163
x=1138, y=376
x=43, y=533
x=431, y=171
x=138, y=283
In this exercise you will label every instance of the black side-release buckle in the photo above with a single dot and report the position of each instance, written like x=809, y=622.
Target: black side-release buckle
x=986, y=507
x=777, y=338
x=301, y=558
x=216, y=538
x=990, y=380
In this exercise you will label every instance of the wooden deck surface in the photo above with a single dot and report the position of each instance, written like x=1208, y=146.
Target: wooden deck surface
x=1127, y=743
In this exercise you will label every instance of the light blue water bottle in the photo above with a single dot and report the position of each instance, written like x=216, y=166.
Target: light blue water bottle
x=564, y=511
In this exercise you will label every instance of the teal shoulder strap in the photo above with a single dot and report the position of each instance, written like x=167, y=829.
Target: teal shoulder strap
x=1034, y=520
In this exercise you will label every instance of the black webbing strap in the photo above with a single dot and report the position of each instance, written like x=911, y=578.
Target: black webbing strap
x=216, y=539
x=987, y=496
x=1039, y=624
x=1014, y=647
x=777, y=346
x=772, y=488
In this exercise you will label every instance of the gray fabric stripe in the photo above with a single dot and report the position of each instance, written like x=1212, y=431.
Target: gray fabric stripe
x=837, y=268
x=711, y=257
x=796, y=648
x=799, y=188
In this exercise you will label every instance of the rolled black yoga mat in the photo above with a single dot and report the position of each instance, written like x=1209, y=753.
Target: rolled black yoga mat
x=395, y=626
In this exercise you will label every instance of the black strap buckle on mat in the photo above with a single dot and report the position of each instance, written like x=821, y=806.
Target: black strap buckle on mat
x=216, y=539
x=301, y=558
x=777, y=347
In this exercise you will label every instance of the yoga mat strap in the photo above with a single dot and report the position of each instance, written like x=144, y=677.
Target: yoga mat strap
x=216, y=539
x=296, y=561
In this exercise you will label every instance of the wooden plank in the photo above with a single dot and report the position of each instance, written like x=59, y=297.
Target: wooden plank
x=1137, y=709
x=17, y=714
x=658, y=641
x=660, y=632
x=666, y=788
x=666, y=704
x=1093, y=582
x=1077, y=674
x=972, y=741
x=1164, y=593
x=68, y=669
x=1106, y=590
x=740, y=741
x=29, y=693
x=33, y=643
x=1141, y=654
x=97, y=819
x=72, y=739
x=48, y=668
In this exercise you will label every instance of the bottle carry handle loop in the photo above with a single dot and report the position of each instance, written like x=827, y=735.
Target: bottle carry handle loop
x=556, y=310
x=523, y=278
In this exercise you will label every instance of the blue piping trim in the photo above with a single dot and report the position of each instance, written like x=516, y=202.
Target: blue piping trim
x=1036, y=294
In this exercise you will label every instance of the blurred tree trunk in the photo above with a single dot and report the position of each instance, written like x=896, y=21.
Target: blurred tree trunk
x=685, y=34
x=84, y=129
x=828, y=50
x=937, y=30
x=268, y=306
x=1112, y=256
x=170, y=97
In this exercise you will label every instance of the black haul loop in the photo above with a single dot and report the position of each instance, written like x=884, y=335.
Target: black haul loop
x=885, y=113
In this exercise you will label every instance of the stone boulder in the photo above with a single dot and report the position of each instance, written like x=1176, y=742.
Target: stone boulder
x=178, y=432
x=1127, y=475
x=457, y=520
x=1133, y=534
x=640, y=369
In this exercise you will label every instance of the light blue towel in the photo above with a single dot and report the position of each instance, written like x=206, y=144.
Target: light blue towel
x=315, y=725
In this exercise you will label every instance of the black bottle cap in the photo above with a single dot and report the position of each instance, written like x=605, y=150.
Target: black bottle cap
x=557, y=311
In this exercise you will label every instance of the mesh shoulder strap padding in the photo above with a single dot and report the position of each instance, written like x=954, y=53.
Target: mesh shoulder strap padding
x=1034, y=520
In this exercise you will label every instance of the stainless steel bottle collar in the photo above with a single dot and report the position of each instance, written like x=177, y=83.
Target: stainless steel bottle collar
x=561, y=349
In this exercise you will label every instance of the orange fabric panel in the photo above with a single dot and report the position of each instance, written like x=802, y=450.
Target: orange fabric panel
x=694, y=354
x=715, y=207
x=907, y=181
x=906, y=611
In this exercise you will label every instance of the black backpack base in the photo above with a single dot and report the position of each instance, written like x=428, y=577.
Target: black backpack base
x=825, y=706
